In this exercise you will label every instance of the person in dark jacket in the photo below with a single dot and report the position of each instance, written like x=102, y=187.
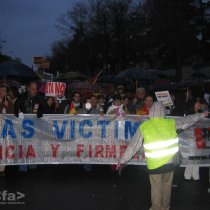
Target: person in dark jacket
x=49, y=106
x=138, y=101
x=29, y=103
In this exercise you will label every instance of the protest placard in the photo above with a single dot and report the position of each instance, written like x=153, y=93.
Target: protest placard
x=164, y=97
x=55, y=89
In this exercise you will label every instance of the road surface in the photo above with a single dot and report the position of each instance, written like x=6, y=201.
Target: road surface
x=58, y=187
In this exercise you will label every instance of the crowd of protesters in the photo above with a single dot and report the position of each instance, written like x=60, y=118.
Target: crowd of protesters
x=114, y=100
x=185, y=101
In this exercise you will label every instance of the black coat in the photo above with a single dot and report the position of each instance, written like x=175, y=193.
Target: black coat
x=49, y=109
x=29, y=105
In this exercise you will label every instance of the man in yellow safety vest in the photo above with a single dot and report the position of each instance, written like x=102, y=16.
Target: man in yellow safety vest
x=160, y=146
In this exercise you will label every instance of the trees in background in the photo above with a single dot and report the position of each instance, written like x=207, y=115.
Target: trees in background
x=116, y=34
x=2, y=56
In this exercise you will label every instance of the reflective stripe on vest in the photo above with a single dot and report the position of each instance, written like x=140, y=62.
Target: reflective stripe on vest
x=162, y=153
x=161, y=144
x=160, y=141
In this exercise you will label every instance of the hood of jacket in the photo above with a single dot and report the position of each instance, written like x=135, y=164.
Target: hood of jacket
x=157, y=110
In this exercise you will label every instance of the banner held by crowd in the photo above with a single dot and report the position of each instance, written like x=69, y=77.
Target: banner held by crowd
x=87, y=139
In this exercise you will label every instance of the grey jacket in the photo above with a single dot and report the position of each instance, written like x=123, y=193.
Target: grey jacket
x=157, y=110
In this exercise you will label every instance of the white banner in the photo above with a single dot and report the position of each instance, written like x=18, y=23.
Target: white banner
x=84, y=139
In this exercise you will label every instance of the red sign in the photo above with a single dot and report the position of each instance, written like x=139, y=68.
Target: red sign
x=55, y=88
